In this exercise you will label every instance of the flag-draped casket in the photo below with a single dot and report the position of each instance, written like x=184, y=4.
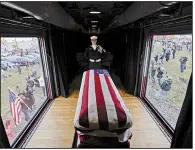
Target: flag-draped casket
x=101, y=111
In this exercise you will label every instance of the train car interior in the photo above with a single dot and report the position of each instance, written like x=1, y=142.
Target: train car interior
x=91, y=74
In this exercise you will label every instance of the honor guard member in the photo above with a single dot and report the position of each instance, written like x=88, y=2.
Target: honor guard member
x=94, y=54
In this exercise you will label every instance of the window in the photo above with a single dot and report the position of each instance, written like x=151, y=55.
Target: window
x=23, y=86
x=169, y=73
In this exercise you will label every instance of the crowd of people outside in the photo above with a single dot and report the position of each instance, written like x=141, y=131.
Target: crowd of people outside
x=169, y=51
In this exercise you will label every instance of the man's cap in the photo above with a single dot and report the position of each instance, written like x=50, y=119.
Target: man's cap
x=93, y=37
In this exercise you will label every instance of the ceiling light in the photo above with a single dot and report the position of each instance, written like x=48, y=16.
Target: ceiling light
x=171, y=3
x=94, y=12
x=165, y=7
x=28, y=17
x=94, y=21
x=164, y=15
x=94, y=26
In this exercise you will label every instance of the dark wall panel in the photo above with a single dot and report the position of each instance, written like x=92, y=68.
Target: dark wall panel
x=115, y=42
x=66, y=45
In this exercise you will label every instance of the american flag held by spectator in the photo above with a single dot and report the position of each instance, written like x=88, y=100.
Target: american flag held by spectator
x=15, y=106
x=9, y=129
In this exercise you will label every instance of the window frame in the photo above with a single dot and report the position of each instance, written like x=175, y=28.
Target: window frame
x=168, y=129
x=16, y=142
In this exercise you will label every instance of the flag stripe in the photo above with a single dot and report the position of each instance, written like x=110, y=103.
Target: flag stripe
x=111, y=111
x=15, y=106
x=16, y=112
x=128, y=115
x=100, y=106
x=102, y=114
x=84, y=121
x=79, y=105
x=12, y=109
x=92, y=105
x=119, y=110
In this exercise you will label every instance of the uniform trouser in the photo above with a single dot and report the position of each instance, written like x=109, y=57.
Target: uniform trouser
x=95, y=65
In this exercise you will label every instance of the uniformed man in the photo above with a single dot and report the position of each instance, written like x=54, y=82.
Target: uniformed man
x=94, y=54
x=183, y=61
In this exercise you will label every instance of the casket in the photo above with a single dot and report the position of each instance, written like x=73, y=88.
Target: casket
x=101, y=112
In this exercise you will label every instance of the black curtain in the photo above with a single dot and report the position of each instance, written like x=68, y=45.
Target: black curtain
x=132, y=58
x=182, y=137
x=65, y=45
x=74, y=42
x=114, y=42
x=127, y=46
x=61, y=60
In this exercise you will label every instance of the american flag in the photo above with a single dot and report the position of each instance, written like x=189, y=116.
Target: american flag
x=9, y=130
x=100, y=106
x=15, y=106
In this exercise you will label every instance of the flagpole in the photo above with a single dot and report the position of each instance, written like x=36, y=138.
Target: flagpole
x=20, y=98
x=24, y=103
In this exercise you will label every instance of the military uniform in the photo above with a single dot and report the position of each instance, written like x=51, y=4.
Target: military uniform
x=94, y=54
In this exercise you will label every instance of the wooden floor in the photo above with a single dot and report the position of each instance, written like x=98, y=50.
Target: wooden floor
x=57, y=131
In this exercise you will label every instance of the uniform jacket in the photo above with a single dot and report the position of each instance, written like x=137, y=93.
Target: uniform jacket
x=98, y=53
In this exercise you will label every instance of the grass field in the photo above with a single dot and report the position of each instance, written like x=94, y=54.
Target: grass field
x=13, y=79
x=180, y=80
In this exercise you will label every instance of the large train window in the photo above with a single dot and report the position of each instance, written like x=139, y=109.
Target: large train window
x=169, y=72
x=23, y=88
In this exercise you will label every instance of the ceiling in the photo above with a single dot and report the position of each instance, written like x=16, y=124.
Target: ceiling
x=80, y=12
